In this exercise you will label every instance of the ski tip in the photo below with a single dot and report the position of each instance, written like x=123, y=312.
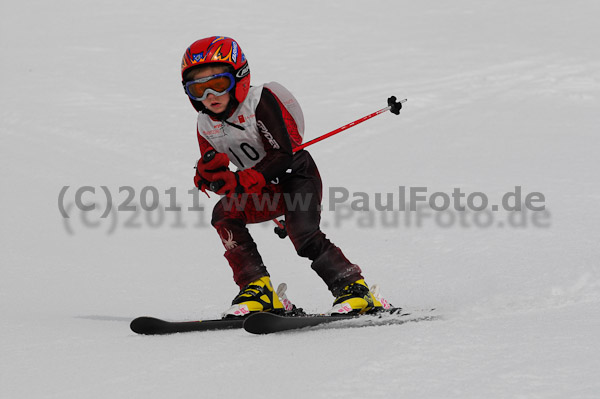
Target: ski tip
x=147, y=325
x=260, y=323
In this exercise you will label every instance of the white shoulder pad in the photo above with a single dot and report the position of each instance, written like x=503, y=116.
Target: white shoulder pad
x=290, y=103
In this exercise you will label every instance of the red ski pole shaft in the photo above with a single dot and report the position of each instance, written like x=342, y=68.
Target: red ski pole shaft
x=341, y=129
x=393, y=106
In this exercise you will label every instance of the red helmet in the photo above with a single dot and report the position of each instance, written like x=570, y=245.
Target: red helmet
x=223, y=50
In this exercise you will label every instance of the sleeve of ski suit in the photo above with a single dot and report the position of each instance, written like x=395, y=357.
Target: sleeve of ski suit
x=275, y=137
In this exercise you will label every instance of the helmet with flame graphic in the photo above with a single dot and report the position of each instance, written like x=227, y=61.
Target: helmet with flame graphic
x=220, y=50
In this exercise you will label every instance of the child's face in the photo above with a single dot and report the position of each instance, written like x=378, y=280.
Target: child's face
x=216, y=104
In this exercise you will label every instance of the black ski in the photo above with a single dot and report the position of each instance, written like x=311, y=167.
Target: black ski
x=154, y=326
x=267, y=323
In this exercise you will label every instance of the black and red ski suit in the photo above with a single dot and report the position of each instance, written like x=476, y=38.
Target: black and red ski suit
x=288, y=175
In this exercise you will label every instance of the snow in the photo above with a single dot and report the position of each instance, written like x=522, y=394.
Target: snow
x=500, y=94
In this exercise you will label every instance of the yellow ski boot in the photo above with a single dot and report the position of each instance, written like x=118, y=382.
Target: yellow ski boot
x=258, y=296
x=356, y=298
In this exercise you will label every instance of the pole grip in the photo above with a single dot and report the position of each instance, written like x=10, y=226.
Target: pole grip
x=214, y=186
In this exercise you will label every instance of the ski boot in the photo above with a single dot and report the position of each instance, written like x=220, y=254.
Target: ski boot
x=356, y=298
x=258, y=296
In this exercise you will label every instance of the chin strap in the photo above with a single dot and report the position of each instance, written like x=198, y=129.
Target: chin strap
x=234, y=125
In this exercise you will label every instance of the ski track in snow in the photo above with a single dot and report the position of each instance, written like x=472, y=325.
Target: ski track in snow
x=500, y=94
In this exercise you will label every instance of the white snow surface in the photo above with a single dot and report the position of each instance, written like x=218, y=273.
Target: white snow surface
x=500, y=94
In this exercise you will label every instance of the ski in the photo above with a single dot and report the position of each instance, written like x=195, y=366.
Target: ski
x=153, y=326
x=267, y=323
x=292, y=318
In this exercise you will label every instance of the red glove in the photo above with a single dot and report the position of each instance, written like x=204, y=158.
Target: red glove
x=211, y=162
x=243, y=181
x=201, y=183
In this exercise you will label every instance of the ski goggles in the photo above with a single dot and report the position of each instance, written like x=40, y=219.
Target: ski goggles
x=218, y=85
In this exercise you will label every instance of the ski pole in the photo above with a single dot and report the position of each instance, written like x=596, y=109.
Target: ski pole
x=393, y=106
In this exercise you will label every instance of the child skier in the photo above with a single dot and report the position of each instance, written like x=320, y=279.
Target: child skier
x=251, y=127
